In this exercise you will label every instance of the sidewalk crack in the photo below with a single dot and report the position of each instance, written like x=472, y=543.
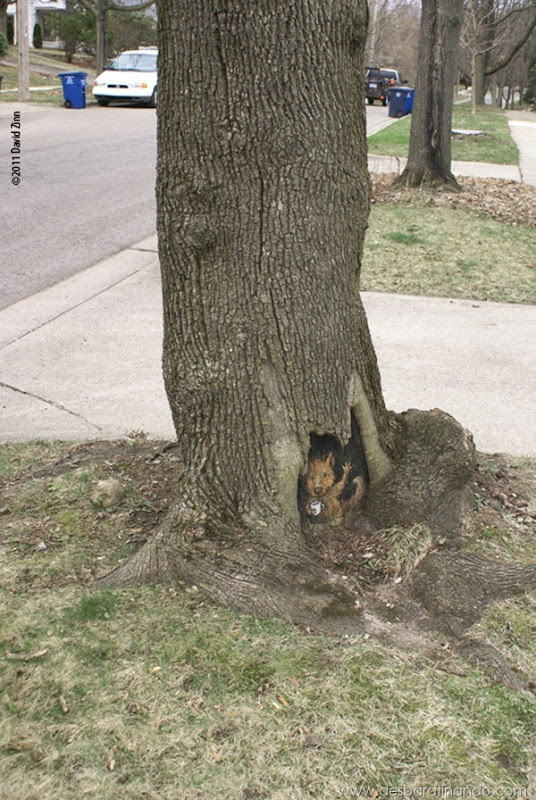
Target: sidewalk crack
x=52, y=403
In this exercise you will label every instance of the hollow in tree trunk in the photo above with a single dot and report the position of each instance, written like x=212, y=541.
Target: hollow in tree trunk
x=263, y=200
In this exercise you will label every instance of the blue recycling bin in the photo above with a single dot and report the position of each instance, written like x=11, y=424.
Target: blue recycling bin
x=74, y=89
x=400, y=101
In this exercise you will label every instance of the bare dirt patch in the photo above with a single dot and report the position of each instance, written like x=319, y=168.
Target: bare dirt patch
x=49, y=520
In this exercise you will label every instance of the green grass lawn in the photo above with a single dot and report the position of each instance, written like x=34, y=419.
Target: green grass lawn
x=49, y=96
x=448, y=252
x=494, y=146
x=48, y=58
x=153, y=693
x=10, y=81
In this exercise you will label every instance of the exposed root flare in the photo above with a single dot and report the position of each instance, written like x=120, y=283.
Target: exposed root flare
x=425, y=180
x=243, y=566
x=261, y=563
x=378, y=462
x=430, y=481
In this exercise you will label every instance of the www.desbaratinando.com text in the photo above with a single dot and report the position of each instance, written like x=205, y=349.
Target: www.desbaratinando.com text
x=437, y=792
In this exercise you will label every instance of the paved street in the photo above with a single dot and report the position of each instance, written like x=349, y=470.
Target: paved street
x=86, y=191
x=377, y=118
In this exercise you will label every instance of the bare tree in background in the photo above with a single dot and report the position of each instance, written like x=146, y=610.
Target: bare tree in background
x=393, y=36
x=99, y=10
x=494, y=32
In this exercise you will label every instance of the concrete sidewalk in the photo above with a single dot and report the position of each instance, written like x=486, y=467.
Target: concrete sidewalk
x=81, y=360
x=522, y=126
x=460, y=169
x=523, y=131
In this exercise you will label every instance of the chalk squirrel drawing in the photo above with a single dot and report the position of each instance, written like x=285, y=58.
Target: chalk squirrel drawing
x=324, y=492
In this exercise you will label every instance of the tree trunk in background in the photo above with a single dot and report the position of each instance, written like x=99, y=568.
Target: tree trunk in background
x=372, y=33
x=3, y=15
x=429, y=160
x=102, y=35
x=484, y=37
x=3, y=18
x=478, y=62
x=99, y=10
x=263, y=199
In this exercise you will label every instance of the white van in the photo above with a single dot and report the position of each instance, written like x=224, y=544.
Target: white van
x=132, y=76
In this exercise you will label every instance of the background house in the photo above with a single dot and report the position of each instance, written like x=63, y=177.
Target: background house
x=39, y=11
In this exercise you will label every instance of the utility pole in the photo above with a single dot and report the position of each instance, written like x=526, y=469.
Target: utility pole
x=23, y=42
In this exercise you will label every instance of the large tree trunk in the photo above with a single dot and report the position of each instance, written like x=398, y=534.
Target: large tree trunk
x=429, y=160
x=263, y=200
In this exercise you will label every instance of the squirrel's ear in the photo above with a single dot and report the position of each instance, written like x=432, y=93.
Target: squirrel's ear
x=331, y=460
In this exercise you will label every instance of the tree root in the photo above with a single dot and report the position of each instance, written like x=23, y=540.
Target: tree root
x=260, y=562
x=454, y=589
x=233, y=565
x=447, y=594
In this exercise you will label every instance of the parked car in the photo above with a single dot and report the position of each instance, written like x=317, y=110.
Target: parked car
x=378, y=82
x=132, y=76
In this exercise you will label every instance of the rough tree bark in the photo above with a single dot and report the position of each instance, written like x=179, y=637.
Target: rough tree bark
x=263, y=200
x=429, y=160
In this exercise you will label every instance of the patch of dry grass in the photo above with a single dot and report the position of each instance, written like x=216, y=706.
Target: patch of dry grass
x=510, y=626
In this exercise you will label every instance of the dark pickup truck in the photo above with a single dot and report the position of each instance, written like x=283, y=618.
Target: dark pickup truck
x=378, y=81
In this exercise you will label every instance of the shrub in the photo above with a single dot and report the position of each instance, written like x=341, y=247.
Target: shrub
x=10, y=26
x=75, y=30
x=37, y=36
x=3, y=45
